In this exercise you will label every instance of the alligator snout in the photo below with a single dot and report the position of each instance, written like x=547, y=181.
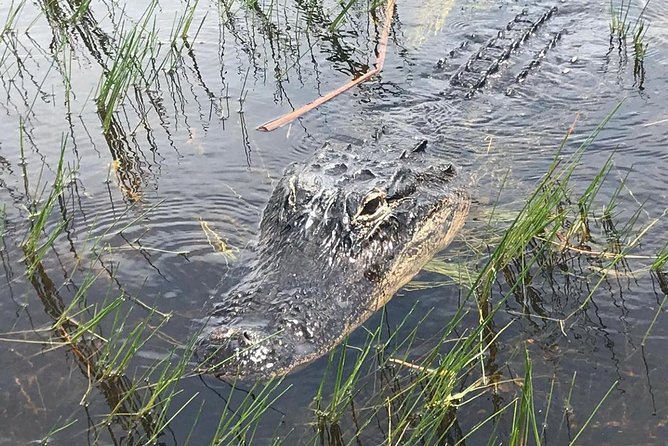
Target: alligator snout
x=240, y=351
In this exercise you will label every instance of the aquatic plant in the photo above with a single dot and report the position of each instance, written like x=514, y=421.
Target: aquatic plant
x=237, y=426
x=3, y=222
x=32, y=243
x=619, y=15
x=661, y=259
x=134, y=48
x=621, y=24
x=13, y=13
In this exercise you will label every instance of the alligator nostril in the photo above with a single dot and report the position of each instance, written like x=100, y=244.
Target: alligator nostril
x=246, y=336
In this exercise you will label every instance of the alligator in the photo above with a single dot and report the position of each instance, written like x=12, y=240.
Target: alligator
x=341, y=234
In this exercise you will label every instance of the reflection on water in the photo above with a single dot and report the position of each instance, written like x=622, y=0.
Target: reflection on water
x=168, y=186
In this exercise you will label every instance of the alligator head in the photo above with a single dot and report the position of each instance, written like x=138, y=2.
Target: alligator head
x=339, y=236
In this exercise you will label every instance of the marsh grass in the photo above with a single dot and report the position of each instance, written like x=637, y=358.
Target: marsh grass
x=98, y=333
x=622, y=24
x=127, y=68
x=33, y=242
x=143, y=410
x=345, y=7
x=555, y=226
x=139, y=59
x=82, y=8
x=660, y=279
x=10, y=20
x=375, y=348
x=524, y=425
x=3, y=222
x=661, y=259
x=526, y=428
x=551, y=221
x=80, y=334
x=447, y=379
x=102, y=360
x=238, y=426
x=420, y=391
x=619, y=19
x=639, y=44
x=179, y=35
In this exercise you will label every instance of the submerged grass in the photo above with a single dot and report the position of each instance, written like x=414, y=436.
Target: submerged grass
x=345, y=7
x=524, y=426
x=141, y=410
x=238, y=426
x=619, y=19
x=3, y=222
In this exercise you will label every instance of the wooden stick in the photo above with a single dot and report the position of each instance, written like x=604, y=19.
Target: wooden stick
x=385, y=35
x=289, y=117
x=380, y=61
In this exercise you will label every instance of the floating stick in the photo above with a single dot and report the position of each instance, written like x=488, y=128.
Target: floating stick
x=380, y=61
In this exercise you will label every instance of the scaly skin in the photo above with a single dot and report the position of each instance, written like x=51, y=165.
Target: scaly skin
x=340, y=235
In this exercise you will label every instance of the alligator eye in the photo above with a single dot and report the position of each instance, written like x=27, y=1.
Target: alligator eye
x=372, y=206
x=247, y=336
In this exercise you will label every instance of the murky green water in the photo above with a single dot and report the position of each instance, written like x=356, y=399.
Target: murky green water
x=181, y=168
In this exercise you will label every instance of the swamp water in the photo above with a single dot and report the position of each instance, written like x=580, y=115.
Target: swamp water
x=153, y=108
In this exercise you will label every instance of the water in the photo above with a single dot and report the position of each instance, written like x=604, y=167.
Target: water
x=183, y=154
